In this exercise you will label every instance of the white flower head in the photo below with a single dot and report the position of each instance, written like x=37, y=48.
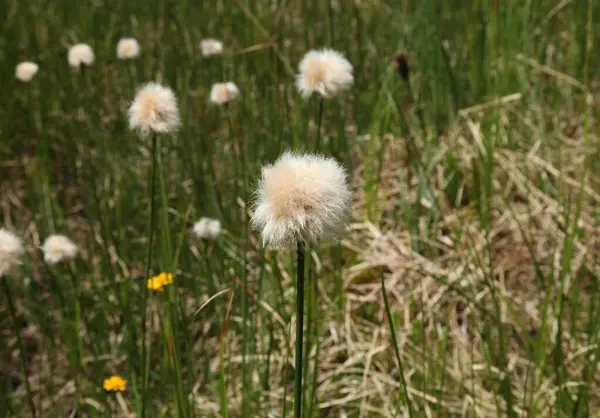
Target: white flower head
x=154, y=109
x=26, y=71
x=325, y=72
x=207, y=228
x=301, y=198
x=11, y=251
x=81, y=54
x=210, y=47
x=59, y=248
x=128, y=48
x=223, y=93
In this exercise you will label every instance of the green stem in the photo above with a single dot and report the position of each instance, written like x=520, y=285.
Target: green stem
x=77, y=327
x=13, y=314
x=285, y=383
x=222, y=383
x=417, y=107
x=246, y=385
x=315, y=375
x=146, y=363
x=172, y=294
x=299, y=329
x=309, y=330
x=76, y=296
x=222, y=380
x=388, y=312
x=331, y=27
x=319, y=121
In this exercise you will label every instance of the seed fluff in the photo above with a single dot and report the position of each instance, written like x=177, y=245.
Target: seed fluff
x=154, y=109
x=325, y=72
x=25, y=71
x=301, y=198
x=80, y=54
x=11, y=250
x=57, y=248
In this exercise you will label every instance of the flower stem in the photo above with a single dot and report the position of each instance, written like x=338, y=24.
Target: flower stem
x=13, y=314
x=310, y=323
x=313, y=325
x=77, y=332
x=319, y=121
x=315, y=378
x=396, y=348
x=76, y=297
x=419, y=110
x=146, y=363
x=222, y=380
x=299, y=330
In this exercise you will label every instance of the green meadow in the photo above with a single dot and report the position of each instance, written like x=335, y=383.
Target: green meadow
x=466, y=282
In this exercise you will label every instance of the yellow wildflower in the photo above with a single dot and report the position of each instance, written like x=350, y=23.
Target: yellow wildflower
x=157, y=283
x=115, y=383
x=168, y=278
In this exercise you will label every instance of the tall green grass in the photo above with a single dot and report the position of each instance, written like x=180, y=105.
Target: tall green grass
x=484, y=157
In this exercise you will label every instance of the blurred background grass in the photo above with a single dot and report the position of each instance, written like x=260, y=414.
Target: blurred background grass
x=475, y=197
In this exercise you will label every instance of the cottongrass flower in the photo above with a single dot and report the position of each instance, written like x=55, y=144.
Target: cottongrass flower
x=325, y=72
x=115, y=384
x=11, y=250
x=223, y=93
x=57, y=248
x=211, y=47
x=157, y=283
x=207, y=228
x=154, y=109
x=26, y=70
x=128, y=48
x=301, y=198
x=81, y=54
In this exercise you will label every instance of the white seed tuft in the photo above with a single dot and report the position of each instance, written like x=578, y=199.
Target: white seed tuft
x=154, y=109
x=207, y=228
x=81, y=54
x=224, y=93
x=210, y=47
x=325, y=72
x=301, y=198
x=57, y=248
x=128, y=48
x=25, y=71
x=11, y=251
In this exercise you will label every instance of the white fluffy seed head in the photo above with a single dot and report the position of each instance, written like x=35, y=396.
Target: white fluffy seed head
x=11, y=251
x=210, y=47
x=154, y=109
x=128, y=48
x=25, y=71
x=57, y=248
x=81, y=54
x=207, y=228
x=301, y=198
x=325, y=72
x=223, y=93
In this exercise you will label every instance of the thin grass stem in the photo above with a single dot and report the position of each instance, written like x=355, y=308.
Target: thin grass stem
x=315, y=376
x=388, y=312
x=299, y=329
x=222, y=380
x=319, y=121
x=309, y=330
x=146, y=350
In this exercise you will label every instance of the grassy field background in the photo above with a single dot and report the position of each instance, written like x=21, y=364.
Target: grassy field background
x=476, y=194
